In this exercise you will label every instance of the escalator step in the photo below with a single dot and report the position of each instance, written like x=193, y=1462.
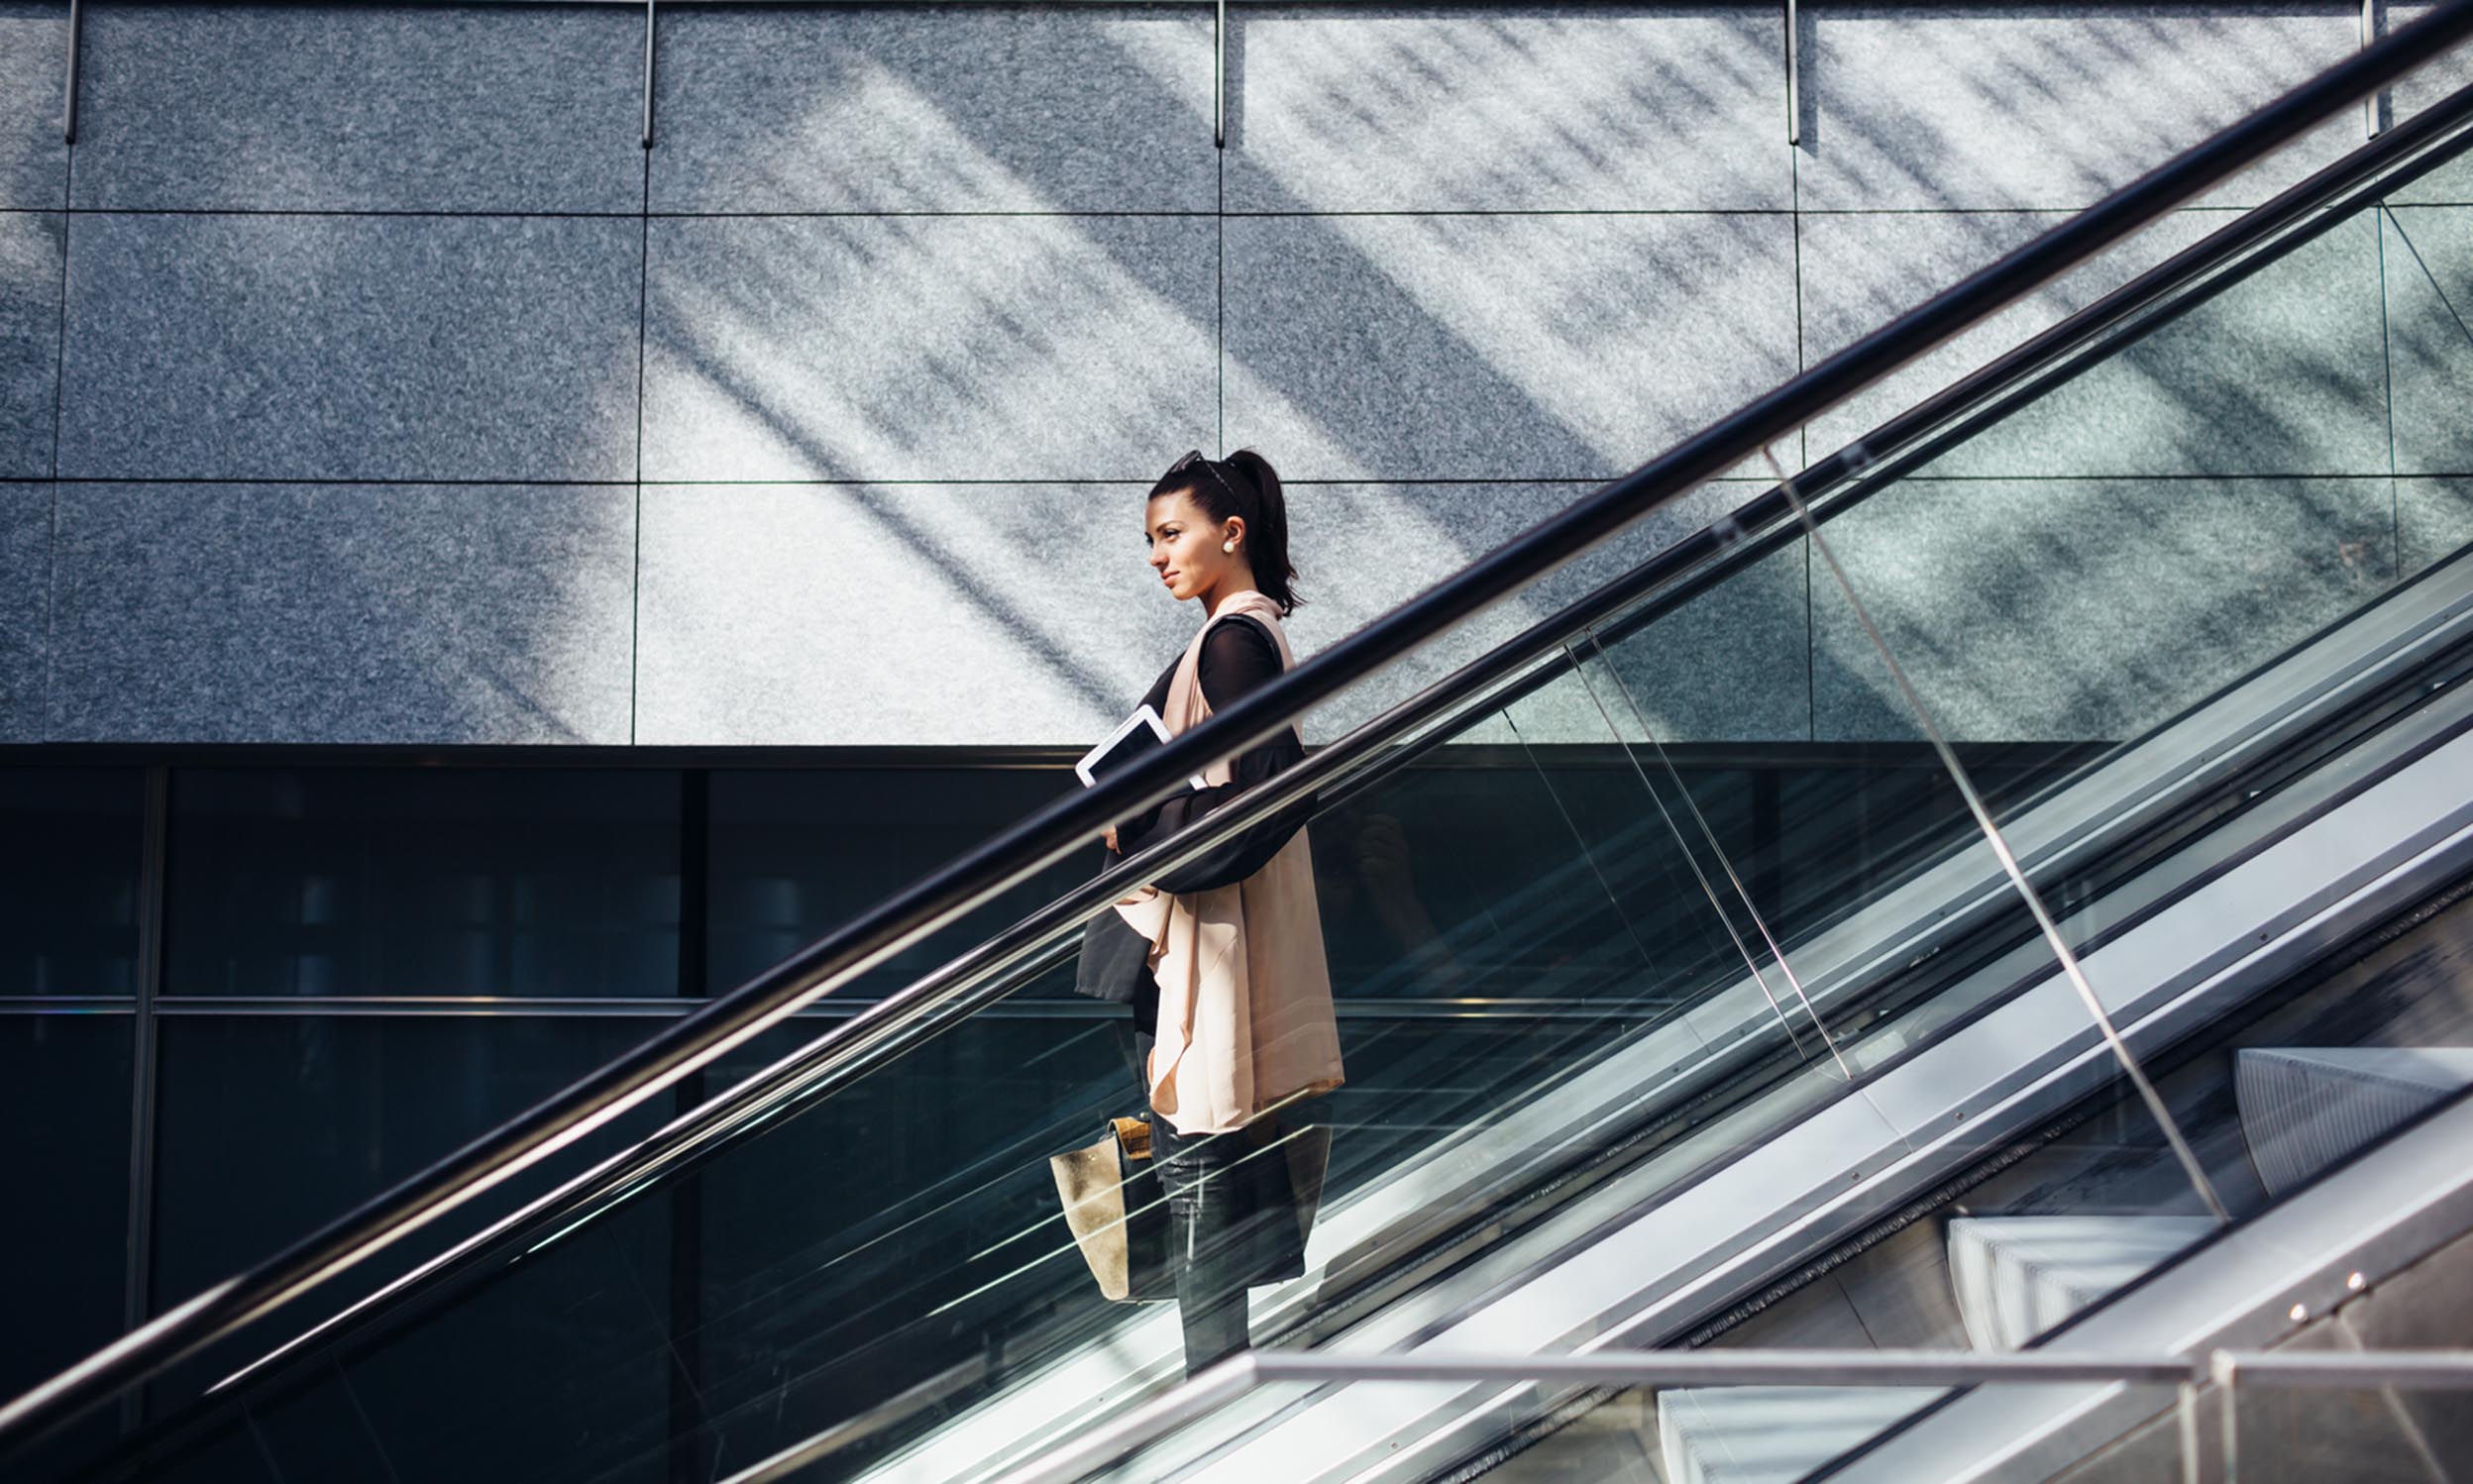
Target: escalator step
x=1770, y=1435
x=2018, y=1276
x=2305, y=1108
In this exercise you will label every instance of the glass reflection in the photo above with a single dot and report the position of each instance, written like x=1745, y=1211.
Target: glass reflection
x=796, y=852
x=499, y=882
x=68, y=881
x=64, y=1135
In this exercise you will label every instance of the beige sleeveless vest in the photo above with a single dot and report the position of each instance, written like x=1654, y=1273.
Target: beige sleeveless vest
x=1244, y=993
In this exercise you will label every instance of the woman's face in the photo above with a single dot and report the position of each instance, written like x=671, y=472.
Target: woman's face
x=1186, y=547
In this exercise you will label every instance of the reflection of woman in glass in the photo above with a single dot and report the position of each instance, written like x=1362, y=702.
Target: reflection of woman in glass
x=1376, y=926
x=1222, y=960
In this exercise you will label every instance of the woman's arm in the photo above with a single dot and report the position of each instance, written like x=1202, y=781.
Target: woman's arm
x=1238, y=658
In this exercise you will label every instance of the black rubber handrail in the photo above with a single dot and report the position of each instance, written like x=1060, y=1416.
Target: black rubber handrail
x=1014, y=854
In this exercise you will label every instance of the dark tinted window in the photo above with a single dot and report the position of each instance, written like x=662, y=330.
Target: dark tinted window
x=64, y=1133
x=796, y=853
x=424, y=882
x=68, y=880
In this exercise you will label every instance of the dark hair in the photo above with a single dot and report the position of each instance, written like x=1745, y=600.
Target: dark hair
x=1243, y=485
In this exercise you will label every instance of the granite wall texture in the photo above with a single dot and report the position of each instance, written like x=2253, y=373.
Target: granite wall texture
x=363, y=379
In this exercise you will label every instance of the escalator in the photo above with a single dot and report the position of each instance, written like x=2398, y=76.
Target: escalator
x=1984, y=1154
x=2330, y=1101
x=2032, y=989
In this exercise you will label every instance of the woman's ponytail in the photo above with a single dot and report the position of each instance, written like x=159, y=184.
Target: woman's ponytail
x=1273, y=573
x=1243, y=485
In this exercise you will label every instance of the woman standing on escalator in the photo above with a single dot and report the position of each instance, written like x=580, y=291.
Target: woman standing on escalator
x=1222, y=960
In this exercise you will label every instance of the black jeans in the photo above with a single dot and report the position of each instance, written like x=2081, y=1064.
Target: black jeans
x=1215, y=1213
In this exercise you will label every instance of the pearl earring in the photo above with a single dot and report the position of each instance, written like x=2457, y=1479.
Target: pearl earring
x=1228, y=546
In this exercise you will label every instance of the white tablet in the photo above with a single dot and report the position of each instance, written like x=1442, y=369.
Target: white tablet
x=1135, y=736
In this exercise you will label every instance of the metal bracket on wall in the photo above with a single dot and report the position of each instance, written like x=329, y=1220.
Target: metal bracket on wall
x=2370, y=104
x=1218, y=75
x=68, y=95
x=1794, y=102
x=648, y=74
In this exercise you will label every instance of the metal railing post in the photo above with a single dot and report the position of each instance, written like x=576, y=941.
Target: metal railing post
x=2226, y=1374
x=2186, y=1407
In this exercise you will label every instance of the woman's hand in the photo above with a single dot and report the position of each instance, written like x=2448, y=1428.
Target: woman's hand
x=1111, y=838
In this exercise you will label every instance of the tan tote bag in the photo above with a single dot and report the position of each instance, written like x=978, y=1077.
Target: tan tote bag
x=1118, y=1213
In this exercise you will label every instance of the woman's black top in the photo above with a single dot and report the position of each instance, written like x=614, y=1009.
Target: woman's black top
x=1237, y=657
